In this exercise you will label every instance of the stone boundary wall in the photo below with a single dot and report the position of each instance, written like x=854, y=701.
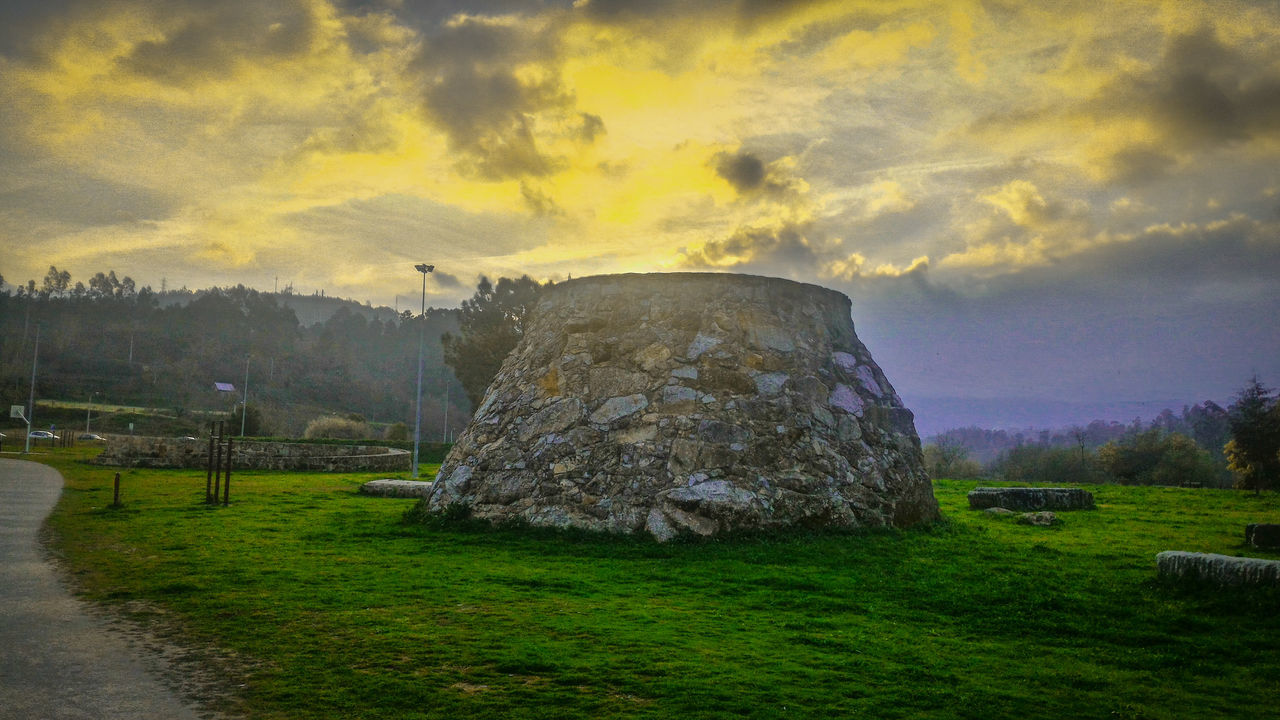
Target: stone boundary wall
x=159, y=452
x=1217, y=569
x=1030, y=498
x=396, y=488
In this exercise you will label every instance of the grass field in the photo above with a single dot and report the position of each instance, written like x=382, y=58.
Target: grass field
x=337, y=608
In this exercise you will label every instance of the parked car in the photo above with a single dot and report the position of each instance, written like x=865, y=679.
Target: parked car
x=91, y=437
x=42, y=435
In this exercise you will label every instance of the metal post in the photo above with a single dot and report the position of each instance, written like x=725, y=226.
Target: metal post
x=244, y=406
x=31, y=399
x=115, y=502
x=422, y=333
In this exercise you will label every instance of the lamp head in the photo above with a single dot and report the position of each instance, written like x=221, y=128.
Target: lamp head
x=424, y=268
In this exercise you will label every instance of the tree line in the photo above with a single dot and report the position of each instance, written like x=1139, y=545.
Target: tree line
x=113, y=342
x=1206, y=445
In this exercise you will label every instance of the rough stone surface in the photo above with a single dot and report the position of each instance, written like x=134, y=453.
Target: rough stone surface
x=689, y=403
x=1030, y=498
x=999, y=511
x=1265, y=536
x=396, y=488
x=1217, y=569
x=159, y=452
x=1043, y=518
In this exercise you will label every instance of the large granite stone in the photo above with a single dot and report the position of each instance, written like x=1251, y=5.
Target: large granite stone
x=1030, y=498
x=690, y=403
x=1214, y=569
x=1265, y=536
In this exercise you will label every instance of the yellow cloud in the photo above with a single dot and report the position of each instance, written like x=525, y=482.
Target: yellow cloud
x=1021, y=201
x=854, y=266
x=968, y=65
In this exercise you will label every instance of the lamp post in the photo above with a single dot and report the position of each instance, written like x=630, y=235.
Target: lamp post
x=417, y=415
x=88, y=410
x=31, y=400
x=244, y=406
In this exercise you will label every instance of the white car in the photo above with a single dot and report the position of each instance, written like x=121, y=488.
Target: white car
x=42, y=435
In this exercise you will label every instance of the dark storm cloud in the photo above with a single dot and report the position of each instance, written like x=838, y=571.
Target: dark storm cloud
x=747, y=13
x=63, y=196
x=592, y=127
x=471, y=92
x=1186, y=258
x=749, y=175
x=538, y=201
x=1138, y=164
x=215, y=37
x=445, y=280
x=1179, y=312
x=744, y=171
x=23, y=25
x=1200, y=94
x=786, y=247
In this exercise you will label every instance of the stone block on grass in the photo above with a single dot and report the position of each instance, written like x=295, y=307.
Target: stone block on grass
x=396, y=488
x=1214, y=569
x=1039, y=519
x=1030, y=499
x=1265, y=536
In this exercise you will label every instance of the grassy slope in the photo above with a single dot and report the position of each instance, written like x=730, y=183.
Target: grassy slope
x=351, y=613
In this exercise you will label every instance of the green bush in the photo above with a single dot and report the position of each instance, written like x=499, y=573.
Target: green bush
x=330, y=426
x=1155, y=457
x=397, y=431
x=1040, y=463
x=949, y=460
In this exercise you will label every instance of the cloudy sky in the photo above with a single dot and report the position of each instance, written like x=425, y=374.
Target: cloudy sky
x=1070, y=200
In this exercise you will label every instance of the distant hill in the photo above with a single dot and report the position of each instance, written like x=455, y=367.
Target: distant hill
x=310, y=309
x=938, y=414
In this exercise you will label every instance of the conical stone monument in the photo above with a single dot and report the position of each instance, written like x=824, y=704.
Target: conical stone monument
x=689, y=403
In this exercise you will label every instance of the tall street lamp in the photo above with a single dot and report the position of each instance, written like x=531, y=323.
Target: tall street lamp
x=244, y=406
x=89, y=410
x=422, y=332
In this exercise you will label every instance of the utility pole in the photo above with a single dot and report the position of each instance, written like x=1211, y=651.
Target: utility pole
x=88, y=410
x=422, y=334
x=31, y=399
x=244, y=406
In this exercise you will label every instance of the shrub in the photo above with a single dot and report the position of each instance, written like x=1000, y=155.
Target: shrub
x=949, y=460
x=1155, y=457
x=1040, y=463
x=397, y=432
x=330, y=426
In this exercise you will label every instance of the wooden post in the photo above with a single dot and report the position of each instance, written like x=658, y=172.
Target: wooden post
x=115, y=502
x=208, y=478
x=217, y=471
x=226, y=485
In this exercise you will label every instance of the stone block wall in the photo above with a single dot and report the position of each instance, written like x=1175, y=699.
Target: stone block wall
x=158, y=452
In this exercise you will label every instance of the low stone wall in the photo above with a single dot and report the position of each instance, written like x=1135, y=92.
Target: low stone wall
x=1030, y=498
x=1217, y=569
x=396, y=488
x=155, y=452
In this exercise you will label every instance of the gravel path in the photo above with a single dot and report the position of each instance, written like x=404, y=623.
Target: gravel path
x=57, y=658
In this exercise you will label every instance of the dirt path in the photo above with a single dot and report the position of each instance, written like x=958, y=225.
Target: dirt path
x=59, y=658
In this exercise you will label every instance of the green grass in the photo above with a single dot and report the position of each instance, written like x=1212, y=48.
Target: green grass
x=341, y=609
